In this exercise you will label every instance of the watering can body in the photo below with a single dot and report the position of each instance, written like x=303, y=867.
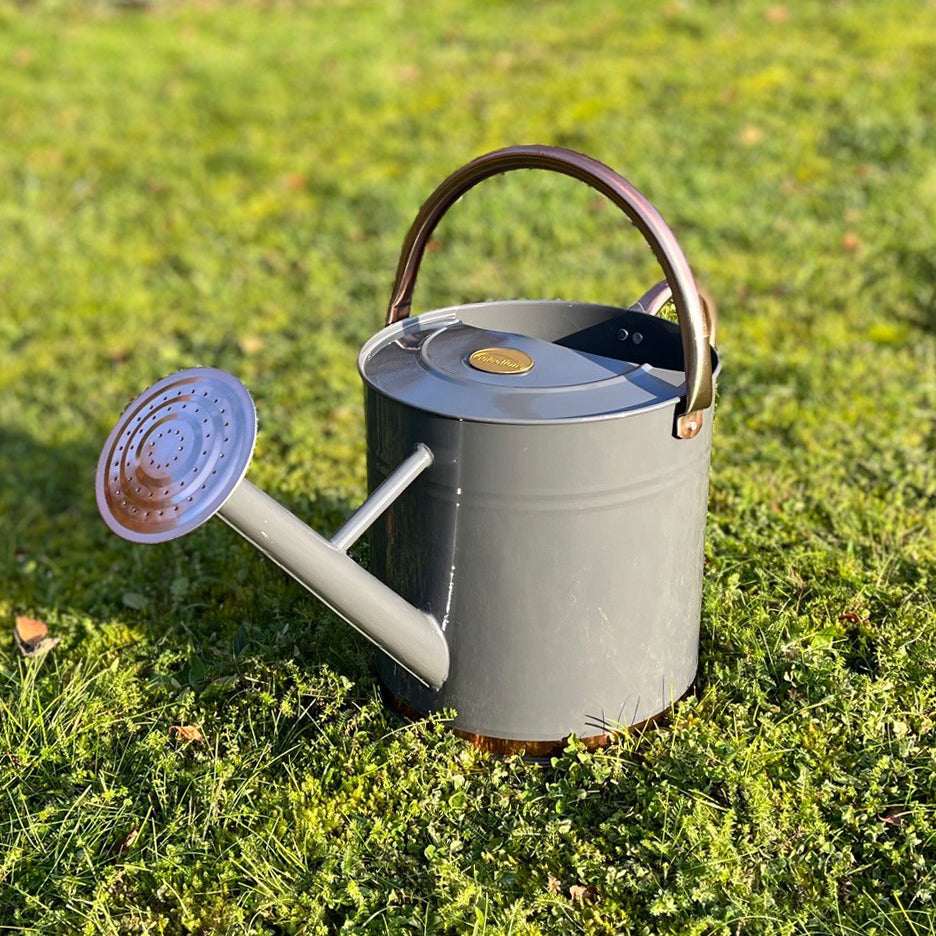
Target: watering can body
x=538, y=474
x=562, y=557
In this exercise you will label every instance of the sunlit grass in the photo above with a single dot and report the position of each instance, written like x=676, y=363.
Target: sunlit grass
x=229, y=184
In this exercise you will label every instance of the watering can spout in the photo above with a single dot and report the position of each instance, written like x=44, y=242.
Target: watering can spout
x=178, y=455
x=411, y=637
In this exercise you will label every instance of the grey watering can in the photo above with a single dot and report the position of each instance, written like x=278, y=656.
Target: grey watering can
x=538, y=476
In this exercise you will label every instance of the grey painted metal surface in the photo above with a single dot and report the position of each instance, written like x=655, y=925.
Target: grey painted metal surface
x=410, y=636
x=539, y=474
x=562, y=558
x=382, y=497
x=177, y=456
x=579, y=371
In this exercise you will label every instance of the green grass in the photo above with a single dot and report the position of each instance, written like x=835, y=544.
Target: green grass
x=229, y=184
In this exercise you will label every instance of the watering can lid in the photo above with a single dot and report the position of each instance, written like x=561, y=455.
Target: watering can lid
x=451, y=363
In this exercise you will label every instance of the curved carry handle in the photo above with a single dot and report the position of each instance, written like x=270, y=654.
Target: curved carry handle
x=645, y=217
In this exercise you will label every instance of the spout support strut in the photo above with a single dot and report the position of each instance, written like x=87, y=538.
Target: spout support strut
x=411, y=637
x=382, y=497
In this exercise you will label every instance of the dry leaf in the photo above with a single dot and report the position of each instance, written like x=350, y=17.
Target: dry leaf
x=580, y=893
x=553, y=885
x=251, y=344
x=409, y=72
x=850, y=242
x=187, y=732
x=777, y=13
x=32, y=637
x=125, y=846
x=893, y=816
x=750, y=135
x=31, y=631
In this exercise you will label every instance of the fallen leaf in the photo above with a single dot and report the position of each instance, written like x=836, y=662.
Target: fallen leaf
x=251, y=344
x=32, y=637
x=187, y=732
x=893, y=816
x=553, y=885
x=31, y=631
x=750, y=135
x=581, y=893
x=125, y=846
x=850, y=242
x=777, y=13
x=409, y=72
x=295, y=181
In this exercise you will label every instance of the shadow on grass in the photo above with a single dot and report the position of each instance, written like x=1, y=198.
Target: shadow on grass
x=202, y=593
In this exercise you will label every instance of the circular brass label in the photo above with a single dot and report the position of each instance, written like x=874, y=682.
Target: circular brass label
x=501, y=361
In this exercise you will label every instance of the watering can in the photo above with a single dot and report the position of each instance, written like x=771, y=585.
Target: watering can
x=538, y=477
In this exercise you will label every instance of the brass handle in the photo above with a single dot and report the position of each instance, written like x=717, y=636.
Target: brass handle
x=644, y=216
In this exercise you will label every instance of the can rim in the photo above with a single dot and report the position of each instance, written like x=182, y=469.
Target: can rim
x=438, y=317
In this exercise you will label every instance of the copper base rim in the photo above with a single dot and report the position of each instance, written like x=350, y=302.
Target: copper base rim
x=533, y=749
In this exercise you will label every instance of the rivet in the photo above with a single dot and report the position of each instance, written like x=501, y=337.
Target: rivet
x=623, y=334
x=638, y=337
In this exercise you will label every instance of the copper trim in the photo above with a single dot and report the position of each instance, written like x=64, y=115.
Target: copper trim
x=531, y=749
x=662, y=241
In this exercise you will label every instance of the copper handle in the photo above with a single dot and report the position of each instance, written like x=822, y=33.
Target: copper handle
x=643, y=215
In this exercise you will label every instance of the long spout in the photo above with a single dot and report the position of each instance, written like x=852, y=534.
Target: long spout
x=178, y=456
x=412, y=637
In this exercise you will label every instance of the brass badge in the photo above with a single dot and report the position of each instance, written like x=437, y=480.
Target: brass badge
x=501, y=361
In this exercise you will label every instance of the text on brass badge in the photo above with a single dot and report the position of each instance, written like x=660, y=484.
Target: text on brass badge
x=501, y=361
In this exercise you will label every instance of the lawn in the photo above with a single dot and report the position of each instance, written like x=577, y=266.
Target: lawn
x=230, y=184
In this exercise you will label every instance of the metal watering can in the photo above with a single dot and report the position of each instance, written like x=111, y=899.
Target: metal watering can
x=539, y=479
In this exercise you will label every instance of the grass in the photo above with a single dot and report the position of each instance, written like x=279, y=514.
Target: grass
x=229, y=184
